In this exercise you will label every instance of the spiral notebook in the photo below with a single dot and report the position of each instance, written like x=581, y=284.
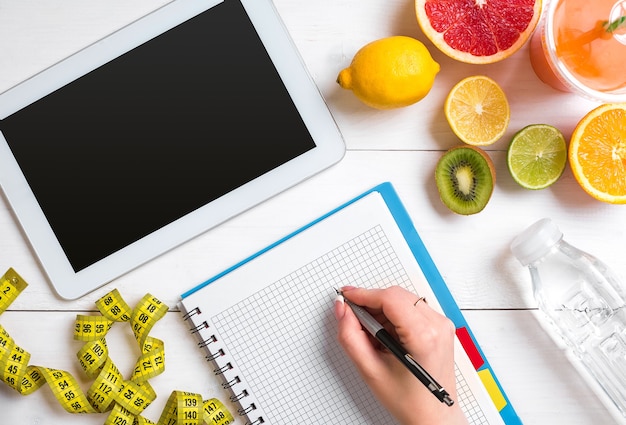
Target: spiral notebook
x=266, y=324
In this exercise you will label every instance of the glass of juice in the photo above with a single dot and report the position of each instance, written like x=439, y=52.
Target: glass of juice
x=580, y=47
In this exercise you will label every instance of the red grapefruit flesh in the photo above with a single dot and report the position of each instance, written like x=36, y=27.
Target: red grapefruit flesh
x=478, y=31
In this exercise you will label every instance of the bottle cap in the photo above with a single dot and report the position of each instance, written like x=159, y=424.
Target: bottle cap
x=536, y=241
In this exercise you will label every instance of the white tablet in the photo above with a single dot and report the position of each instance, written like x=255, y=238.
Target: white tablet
x=156, y=133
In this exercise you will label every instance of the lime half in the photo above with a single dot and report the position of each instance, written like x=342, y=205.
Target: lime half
x=536, y=156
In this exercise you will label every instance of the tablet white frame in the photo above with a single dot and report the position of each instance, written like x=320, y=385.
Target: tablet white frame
x=305, y=94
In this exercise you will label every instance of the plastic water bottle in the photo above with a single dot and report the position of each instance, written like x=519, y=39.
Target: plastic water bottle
x=583, y=302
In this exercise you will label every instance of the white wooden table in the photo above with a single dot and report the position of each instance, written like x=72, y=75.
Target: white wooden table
x=401, y=146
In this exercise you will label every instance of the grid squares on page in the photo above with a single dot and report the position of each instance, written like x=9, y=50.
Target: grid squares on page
x=467, y=401
x=308, y=292
x=315, y=382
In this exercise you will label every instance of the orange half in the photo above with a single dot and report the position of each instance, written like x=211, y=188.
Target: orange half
x=597, y=153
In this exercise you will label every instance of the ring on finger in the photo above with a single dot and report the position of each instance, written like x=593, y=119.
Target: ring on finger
x=418, y=301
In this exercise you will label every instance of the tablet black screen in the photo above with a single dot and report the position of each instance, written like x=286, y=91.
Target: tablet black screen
x=156, y=133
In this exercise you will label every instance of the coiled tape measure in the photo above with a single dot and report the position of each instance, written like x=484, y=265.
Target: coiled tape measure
x=126, y=399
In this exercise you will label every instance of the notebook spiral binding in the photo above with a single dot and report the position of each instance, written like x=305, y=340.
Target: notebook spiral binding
x=224, y=367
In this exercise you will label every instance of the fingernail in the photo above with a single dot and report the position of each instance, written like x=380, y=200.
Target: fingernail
x=339, y=307
x=347, y=288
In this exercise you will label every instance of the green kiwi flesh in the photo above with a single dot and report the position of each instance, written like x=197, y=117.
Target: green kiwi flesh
x=465, y=178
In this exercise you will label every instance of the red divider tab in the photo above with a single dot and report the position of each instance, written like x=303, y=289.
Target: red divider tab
x=470, y=348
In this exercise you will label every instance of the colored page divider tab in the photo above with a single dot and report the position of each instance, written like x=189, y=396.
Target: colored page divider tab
x=485, y=374
x=492, y=388
x=470, y=348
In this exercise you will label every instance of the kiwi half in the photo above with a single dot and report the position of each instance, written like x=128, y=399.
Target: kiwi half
x=465, y=178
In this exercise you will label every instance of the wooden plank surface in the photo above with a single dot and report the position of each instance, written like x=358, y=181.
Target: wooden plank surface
x=401, y=146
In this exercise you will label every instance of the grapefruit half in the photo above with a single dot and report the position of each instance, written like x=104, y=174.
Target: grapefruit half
x=478, y=31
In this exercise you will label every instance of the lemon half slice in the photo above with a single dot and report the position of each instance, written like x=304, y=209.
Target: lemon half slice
x=477, y=110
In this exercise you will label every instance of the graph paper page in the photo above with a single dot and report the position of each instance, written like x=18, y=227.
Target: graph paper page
x=273, y=316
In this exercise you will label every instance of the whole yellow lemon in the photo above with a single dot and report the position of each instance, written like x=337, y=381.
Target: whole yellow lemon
x=391, y=72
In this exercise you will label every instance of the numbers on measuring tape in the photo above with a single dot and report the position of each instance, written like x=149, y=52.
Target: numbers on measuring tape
x=125, y=399
x=113, y=307
x=215, y=413
x=11, y=285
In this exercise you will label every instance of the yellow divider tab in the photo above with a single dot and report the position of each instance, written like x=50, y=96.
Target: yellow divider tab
x=492, y=388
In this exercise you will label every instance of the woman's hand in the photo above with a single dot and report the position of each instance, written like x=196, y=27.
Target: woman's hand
x=427, y=335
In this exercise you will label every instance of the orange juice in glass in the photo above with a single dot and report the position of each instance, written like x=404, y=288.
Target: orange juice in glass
x=581, y=48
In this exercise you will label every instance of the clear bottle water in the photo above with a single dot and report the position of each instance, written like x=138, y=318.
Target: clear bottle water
x=583, y=302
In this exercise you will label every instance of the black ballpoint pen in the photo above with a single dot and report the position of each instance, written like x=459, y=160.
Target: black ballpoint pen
x=378, y=331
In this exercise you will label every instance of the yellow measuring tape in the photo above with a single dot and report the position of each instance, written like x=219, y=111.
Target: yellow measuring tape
x=125, y=399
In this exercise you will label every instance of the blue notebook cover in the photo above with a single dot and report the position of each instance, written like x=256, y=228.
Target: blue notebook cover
x=435, y=280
